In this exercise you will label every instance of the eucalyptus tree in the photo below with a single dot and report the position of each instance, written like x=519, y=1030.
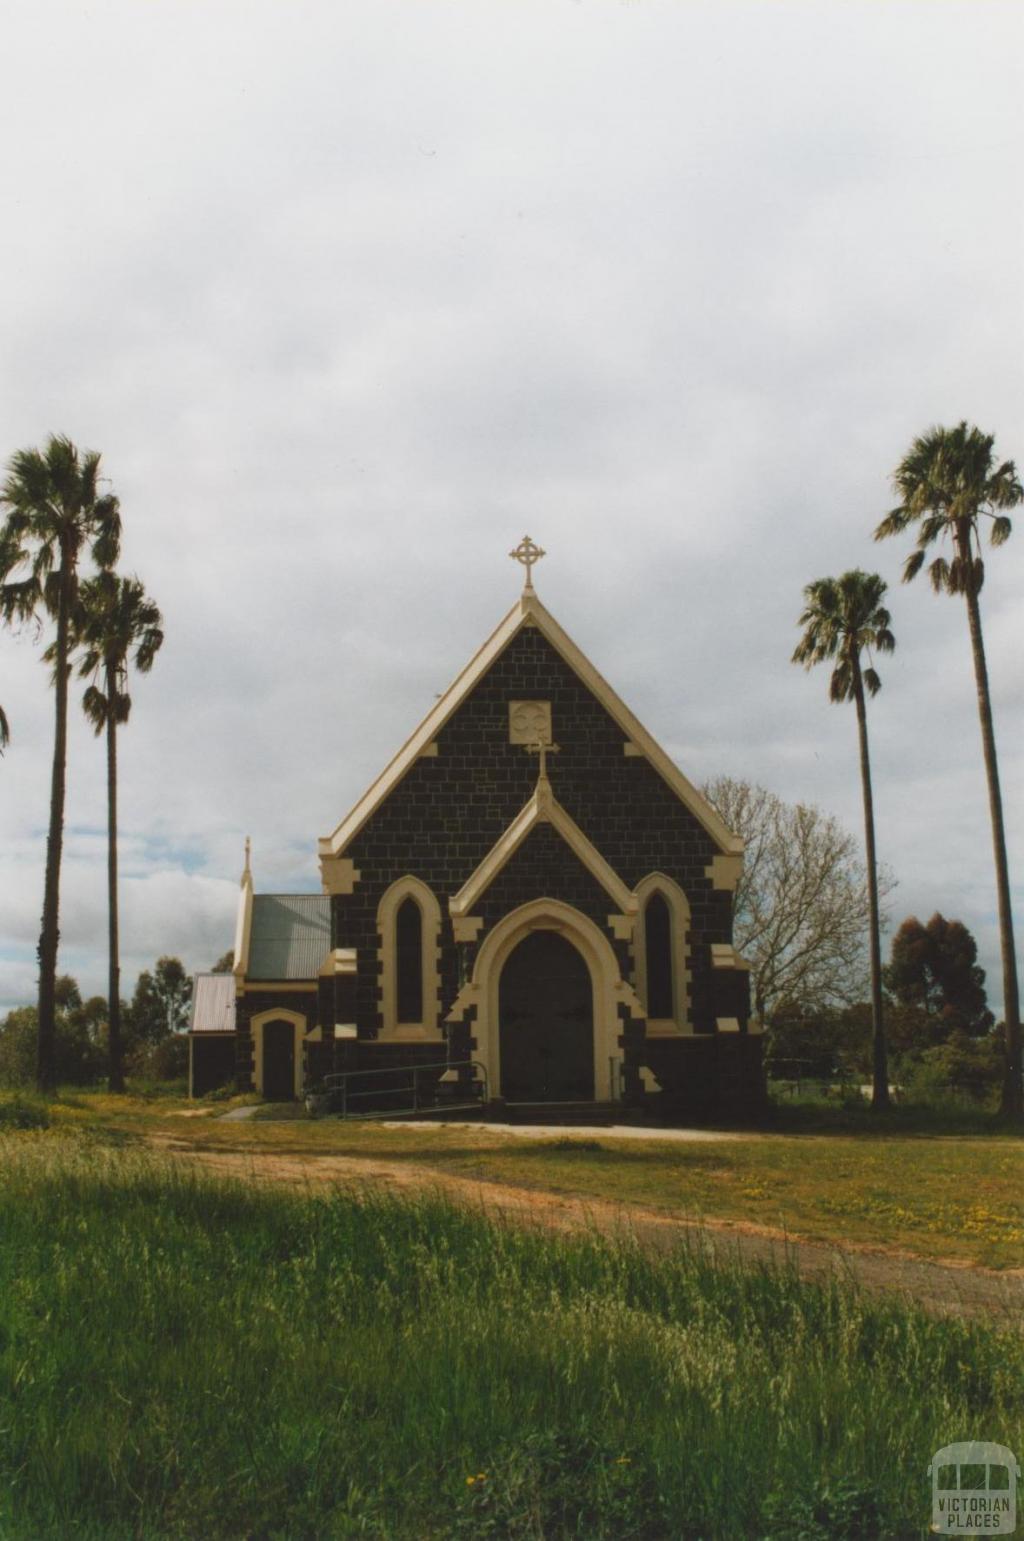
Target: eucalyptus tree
x=844, y=618
x=948, y=482
x=55, y=514
x=117, y=626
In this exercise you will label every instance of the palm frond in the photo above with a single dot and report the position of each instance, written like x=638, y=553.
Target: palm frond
x=5, y=730
x=95, y=706
x=840, y=685
x=912, y=566
x=872, y=681
x=106, y=544
x=894, y=523
x=941, y=572
x=1004, y=489
x=1002, y=529
x=18, y=601
x=933, y=528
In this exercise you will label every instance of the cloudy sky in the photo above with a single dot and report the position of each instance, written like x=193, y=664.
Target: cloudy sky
x=351, y=294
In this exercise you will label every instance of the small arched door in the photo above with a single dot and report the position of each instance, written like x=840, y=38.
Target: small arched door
x=546, y=1016
x=278, y=1060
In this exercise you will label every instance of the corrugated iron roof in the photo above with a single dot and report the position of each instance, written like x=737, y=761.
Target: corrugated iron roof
x=290, y=936
x=213, y=1004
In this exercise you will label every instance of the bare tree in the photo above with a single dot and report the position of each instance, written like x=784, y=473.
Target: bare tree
x=802, y=906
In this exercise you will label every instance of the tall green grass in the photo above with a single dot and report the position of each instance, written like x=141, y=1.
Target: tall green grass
x=187, y=1357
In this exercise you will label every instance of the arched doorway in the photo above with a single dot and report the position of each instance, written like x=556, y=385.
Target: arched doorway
x=546, y=1022
x=278, y=1060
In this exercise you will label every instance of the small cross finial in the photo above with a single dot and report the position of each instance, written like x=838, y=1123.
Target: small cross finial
x=542, y=750
x=247, y=870
x=529, y=553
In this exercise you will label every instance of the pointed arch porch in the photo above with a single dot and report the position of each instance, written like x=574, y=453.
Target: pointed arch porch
x=609, y=989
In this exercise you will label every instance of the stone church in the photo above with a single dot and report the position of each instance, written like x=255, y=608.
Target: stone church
x=531, y=903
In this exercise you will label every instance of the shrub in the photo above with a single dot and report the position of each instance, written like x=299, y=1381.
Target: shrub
x=17, y=1113
x=165, y=1060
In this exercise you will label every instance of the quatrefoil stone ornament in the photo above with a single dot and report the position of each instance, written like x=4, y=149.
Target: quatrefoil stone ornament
x=529, y=722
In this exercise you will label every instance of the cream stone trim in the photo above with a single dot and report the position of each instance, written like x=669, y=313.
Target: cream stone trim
x=391, y=1029
x=316, y=1036
x=608, y=987
x=648, y=1080
x=291, y=986
x=341, y=961
x=724, y=955
x=429, y=752
x=727, y=1024
x=725, y=871
x=338, y=874
x=632, y=751
x=679, y=914
x=256, y=1026
x=468, y=996
x=626, y=996
x=621, y=927
x=467, y=928
x=526, y=611
x=243, y=927
x=346, y=1030
x=543, y=808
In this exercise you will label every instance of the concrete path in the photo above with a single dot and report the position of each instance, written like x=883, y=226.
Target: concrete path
x=578, y=1131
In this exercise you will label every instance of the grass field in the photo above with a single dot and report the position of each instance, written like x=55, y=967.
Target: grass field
x=953, y=1196
x=182, y=1357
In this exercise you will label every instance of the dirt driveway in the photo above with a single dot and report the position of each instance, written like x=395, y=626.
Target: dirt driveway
x=944, y=1289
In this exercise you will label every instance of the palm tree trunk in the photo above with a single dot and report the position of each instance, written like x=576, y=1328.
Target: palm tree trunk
x=1013, y=1094
x=49, y=936
x=879, y=1057
x=115, y=1071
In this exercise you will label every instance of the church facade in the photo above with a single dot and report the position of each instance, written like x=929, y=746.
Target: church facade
x=531, y=901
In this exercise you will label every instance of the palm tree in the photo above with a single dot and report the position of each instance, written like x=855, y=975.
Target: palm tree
x=117, y=623
x=55, y=512
x=8, y=547
x=843, y=617
x=947, y=482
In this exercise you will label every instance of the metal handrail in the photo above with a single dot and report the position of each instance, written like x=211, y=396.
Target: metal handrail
x=338, y=1081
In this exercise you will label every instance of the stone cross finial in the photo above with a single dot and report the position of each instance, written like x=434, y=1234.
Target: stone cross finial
x=529, y=553
x=247, y=869
x=542, y=750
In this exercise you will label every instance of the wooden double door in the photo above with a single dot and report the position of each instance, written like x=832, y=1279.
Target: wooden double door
x=546, y=1022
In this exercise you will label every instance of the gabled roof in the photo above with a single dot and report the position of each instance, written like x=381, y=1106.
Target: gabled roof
x=213, y=1004
x=528, y=611
x=290, y=936
x=543, y=808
